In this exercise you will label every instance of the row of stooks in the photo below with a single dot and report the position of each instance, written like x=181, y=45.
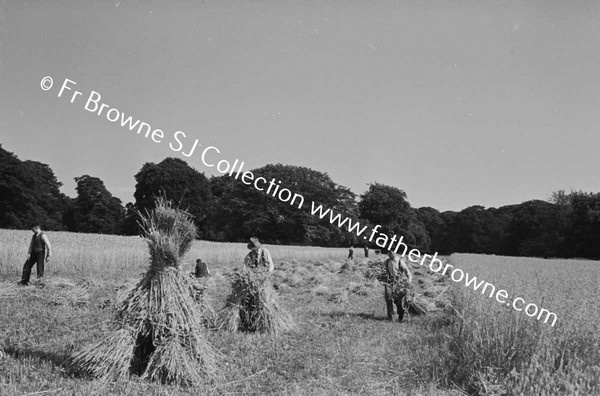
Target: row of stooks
x=159, y=329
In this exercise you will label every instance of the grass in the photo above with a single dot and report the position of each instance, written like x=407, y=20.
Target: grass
x=342, y=344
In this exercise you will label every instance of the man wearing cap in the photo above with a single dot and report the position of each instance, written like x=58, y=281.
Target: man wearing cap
x=394, y=267
x=258, y=256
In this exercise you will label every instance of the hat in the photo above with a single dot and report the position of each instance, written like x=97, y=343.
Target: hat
x=253, y=243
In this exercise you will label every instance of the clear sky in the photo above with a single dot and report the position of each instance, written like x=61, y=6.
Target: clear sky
x=456, y=102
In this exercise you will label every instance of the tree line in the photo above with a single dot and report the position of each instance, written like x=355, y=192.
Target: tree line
x=226, y=210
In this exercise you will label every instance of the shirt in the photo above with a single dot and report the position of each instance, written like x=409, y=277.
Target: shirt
x=39, y=243
x=392, y=266
x=260, y=258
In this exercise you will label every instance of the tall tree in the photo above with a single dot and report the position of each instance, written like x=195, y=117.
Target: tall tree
x=388, y=207
x=243, y=211
x=467, y=230
x=95, y=210
x=583, y=236
x=434, y=226
x=535, y=230
x=29, y=193
x=497, y=229
x=174, y=179
x=131, y=223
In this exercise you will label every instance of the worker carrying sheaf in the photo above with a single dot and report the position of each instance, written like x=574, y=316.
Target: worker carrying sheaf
x=258, y=256
x=394, y=287
x=252, y=304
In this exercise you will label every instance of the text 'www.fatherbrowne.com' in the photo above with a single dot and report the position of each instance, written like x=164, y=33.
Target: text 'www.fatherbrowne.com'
x=436, y=265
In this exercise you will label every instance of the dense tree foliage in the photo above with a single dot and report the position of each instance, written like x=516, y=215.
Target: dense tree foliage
x=388, y=207
x=242, y=210
x=434, y=226
x=468, y=230
x=174, y=179
x=567, y=226
x=94, y=210
x=29, y=193
x=227, y=209
x=535, y=230
x=582, y=217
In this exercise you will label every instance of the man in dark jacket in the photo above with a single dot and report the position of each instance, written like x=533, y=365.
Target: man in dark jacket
x=201, y=270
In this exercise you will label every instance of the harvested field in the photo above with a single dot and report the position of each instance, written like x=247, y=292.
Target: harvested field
x=341, y=345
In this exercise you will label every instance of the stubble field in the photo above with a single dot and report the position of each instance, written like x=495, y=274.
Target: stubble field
x=342, y=345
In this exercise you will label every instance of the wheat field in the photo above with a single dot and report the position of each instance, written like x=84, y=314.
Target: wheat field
x=493, y=343
x=468, y=345
x=109, y=256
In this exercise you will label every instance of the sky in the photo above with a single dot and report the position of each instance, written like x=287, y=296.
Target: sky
x=457, y=103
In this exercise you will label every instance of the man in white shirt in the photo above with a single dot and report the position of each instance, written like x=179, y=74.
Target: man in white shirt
x=258, y=256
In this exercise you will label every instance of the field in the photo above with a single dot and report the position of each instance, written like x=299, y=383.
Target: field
x=493, y=343
x=342, y=344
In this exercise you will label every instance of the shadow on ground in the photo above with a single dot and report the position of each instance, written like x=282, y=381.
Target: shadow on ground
x=361, y=315
x=56, y=359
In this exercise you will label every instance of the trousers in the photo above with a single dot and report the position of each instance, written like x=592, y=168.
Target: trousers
x=35, y=258
x=392, y=299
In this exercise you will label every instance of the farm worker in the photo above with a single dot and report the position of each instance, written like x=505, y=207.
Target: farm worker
x=394, y=267
x=366, y=250
x=202, y=270
x=258, y=256
x=39, y=253
x=351, y=253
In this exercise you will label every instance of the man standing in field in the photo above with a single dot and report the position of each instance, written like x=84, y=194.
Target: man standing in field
x=366, y=250
x=39, y=253
x=351, y=253
x=258, y=256
x=394, y=292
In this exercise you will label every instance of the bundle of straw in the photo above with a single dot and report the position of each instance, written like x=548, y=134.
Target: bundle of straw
x=376, y=270
x=417, y=305
x=252, y=305
x=412, y=301
x=159, y=328
x=401, y=289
